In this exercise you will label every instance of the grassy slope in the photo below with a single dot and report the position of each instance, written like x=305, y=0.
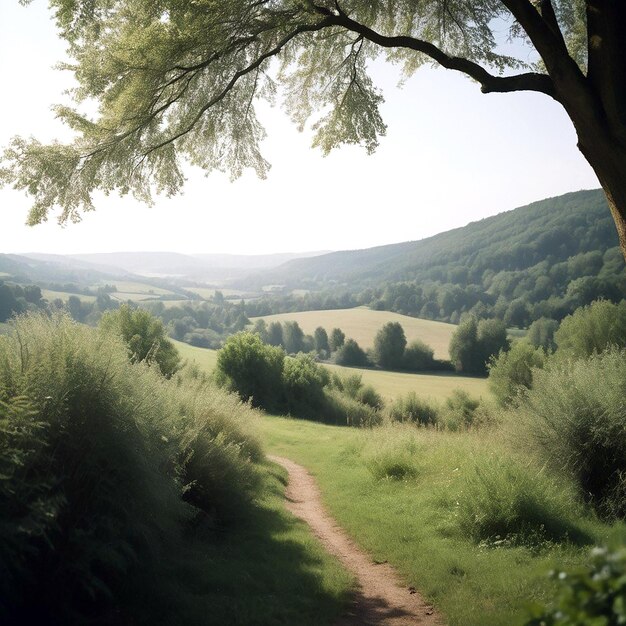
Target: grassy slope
x=205, y=359
x=267, y=571
x=389, y=384
x=362, y=324
x=50, y=295
x=438, y=386
x=410, y=523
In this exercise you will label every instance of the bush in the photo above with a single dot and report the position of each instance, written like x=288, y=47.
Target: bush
x=591, y=595
x=96, y=457
x=592, y=329
x=511, y=372
x=303, y=386
x=368, y=395
x=503, y=500
x=253, y=369
x=342, y=409
x=144, y=336
x=411, y=408
x=458, y=411
x=350, y=354
x=418, y=357
x=575, y=415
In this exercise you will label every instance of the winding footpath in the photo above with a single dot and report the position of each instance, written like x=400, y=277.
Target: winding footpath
x=380, y=599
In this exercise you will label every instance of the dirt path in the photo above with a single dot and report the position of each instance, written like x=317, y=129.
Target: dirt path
x=380, y=599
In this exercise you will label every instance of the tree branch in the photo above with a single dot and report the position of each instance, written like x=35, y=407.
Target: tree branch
x=530, y=81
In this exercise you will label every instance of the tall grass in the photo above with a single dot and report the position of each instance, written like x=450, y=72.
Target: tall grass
x=99, y=460
x=575, y=417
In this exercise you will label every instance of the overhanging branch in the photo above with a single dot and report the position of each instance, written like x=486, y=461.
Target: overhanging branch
x=530, y=81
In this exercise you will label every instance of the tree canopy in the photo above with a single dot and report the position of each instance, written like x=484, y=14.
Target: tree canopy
x=178, y=80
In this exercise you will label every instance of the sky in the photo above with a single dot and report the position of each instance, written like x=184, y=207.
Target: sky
x=451, y=156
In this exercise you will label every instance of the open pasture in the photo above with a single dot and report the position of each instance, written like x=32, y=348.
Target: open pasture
x=205, y=359
x=132, y=288
x=436, y=386
x=51, y=295
x=362, y=324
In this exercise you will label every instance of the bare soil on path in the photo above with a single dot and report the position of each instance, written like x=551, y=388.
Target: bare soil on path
x=380, y=598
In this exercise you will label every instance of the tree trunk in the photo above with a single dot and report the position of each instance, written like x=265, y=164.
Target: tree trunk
x=608, y=160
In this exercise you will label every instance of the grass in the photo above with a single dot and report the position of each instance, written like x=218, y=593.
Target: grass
x=362, y=324
x=51, y=295
x=123, y=296
x=396, y=491
x=134, y=288
x=436, y=386
x=266, y=571
x=390, y=385
x=205, y=359
x=209, y=292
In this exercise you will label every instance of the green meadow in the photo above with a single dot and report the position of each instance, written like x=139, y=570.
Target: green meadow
x=402, y=494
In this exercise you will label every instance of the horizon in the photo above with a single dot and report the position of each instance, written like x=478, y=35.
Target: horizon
x=311, y=252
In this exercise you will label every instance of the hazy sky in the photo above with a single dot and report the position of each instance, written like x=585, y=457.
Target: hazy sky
x=451, y=156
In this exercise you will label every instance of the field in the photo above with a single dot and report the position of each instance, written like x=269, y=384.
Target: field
x=50, y=295
x=362, y=324
x=134, y=288
x=205, y=359
x=411, y=522
x=389, y=384
x=437, y=386
x=208, y=292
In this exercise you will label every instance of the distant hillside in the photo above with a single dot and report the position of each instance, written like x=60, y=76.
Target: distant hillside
x=555, y=228
x=203, y=267
x=543, y=259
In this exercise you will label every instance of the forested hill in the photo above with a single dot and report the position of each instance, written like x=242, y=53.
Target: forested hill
x=553, y=229
x=544, y=259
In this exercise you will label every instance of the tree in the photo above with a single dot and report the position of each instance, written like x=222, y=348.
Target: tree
x=253, y=369
x=178, y=80
x=337, y=339
x=418, y=356
x=512, y=371
x=474, y=343
x=389, y=345
x=351, y=354
x=592, y=329
x=320, y=337
x=275, y=334
x=293, y=338
x=144, y=336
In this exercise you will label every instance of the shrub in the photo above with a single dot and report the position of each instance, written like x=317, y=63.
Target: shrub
x=575, y=415
x=96, y=456
x=512, y=371
x=411, y=408
x=351, y=354
x=342, y=409
x=144, y=336
x=591, y=595
x=303, y=386
x=418, y=356
x=458, y=411
x=253, y=369
x=503, y=500
x=592, y=329
x=368, y=395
